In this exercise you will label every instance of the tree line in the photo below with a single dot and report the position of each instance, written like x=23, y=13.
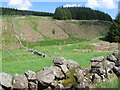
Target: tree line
x=12, y=11
x=114, y=32
x=80, y=13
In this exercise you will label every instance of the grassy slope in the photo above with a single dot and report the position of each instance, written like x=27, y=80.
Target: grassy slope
x=49, y=46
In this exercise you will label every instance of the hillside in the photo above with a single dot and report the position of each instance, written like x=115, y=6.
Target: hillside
x=39, y=29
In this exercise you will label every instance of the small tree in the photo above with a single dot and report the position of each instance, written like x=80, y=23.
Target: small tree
x=53, y=31
x=114, y=32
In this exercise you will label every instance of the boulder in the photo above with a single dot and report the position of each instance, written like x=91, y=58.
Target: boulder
x=64, y=68
x=20, y=82
x=96, y=65
x=6, y=80
x=97, y=59
x=57, y=72
x=116, y=53
x=46, y=76
x=111, y=58
x=71, y=64
x=33, y=85
x=79, y=75
x=108, y=65
x=58, y=60
x=30, y=75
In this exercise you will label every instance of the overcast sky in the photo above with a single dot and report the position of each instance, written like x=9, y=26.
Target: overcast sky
x=107, y=6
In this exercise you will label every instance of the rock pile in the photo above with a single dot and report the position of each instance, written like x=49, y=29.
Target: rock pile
x=64, y=74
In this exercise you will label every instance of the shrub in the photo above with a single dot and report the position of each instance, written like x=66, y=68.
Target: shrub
x=114, y=32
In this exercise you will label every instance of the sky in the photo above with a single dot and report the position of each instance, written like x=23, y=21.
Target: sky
x=107, y=6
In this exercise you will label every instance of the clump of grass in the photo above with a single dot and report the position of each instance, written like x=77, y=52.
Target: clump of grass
x=114, y=83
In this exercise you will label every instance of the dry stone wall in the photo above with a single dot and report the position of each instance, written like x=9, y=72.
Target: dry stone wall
x=64, y=74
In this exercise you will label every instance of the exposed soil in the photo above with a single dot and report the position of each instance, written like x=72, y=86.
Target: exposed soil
x=85, y=31
x=105, y=46
x=100, y=47
x=27, y=33
x=48, y=27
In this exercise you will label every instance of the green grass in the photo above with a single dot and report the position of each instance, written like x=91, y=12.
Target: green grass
x=113, y=83
x=53, y=42
x=29, y=61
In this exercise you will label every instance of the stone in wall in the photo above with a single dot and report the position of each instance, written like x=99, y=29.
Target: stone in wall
x=6, y=80
x=20, y=82
x=97, y=59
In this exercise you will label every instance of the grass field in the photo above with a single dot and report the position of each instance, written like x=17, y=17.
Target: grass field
x=19, y=60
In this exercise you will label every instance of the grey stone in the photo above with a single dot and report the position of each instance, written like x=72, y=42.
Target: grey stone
x=6, y=80
x=116, y=53
x=99, y=71
x=55, y=83
x=108, y=65
x=71, y=64
x=64, y=68
x=84, y=84
x=96, y=64
x=117, y=63
x=30, y=50
x=97, y=59
x=118, y=73
x=111, y=58
x=97, y=78
x=116, y=69
x=20, y=82
x=79, y=75
x=30, y=75
x=57, y=72
x=33, y=85
x=86, y=71
x=45, y=76
x=58, y=60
